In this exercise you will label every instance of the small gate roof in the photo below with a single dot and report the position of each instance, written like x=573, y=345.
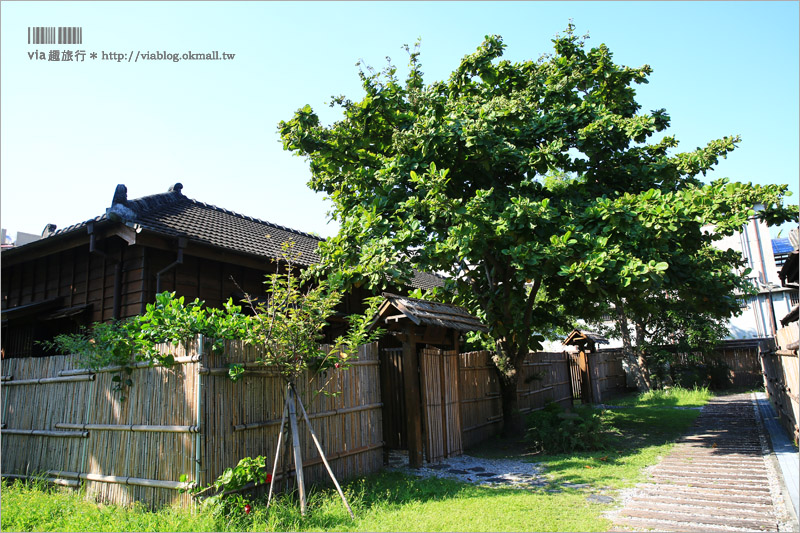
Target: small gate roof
x=578, y=338
x=428, y=313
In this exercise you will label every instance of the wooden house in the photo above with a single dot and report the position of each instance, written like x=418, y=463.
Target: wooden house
x=111, y=266
x=411, y=391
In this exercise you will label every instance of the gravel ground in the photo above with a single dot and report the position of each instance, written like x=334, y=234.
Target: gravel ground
x=508, y=473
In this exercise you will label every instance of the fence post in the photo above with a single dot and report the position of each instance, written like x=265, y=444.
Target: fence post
x=413, y=408
x=88, y=420
x=198, y=440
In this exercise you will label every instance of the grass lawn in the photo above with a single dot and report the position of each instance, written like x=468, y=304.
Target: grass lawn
x=391, y=501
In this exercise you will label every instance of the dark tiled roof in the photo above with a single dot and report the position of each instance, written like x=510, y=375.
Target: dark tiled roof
x=172, y=213
x=423, y=280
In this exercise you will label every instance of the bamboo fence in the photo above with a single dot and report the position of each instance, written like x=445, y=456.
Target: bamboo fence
x=188, y=420
x=546, y=378
x=608, y=372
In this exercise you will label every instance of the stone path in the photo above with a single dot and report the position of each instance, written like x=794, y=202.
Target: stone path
x=720, y=476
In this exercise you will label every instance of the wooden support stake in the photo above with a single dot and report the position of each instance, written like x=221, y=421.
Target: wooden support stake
x=277, y=451
x=298, y=453
x=324, y=460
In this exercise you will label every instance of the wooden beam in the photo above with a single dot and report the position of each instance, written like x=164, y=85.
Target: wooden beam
x=127, y=233
x=412, y=400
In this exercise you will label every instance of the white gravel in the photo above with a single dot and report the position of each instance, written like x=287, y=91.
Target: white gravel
x=465, y=468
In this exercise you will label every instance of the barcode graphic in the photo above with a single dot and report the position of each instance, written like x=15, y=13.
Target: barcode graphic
x=53, y=35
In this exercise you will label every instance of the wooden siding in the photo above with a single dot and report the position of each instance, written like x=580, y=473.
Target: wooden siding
x=782, y=383
x=79, y=277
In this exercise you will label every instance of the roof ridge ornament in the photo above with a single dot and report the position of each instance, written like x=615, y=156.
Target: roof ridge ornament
x=119, y=210
x=120, y=195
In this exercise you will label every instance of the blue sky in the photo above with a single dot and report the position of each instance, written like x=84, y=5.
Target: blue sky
x=70, y=132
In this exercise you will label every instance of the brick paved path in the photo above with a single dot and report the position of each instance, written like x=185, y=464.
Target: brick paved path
x=719, y=477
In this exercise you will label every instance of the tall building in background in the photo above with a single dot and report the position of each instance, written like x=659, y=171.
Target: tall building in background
x=760, y=313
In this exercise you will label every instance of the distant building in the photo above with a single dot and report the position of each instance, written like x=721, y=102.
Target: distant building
x=760, y=313
x=781, y=248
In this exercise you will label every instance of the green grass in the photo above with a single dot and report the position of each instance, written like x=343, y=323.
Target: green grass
x=675, y=397
x=391, y=501
x=35, y=506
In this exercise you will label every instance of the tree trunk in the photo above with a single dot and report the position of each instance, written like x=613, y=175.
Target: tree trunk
x=513, y=425
x=508, y=377
x=635, y=364
x=640, y=340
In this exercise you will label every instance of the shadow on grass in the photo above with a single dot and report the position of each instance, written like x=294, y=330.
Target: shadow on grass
x=396, y=501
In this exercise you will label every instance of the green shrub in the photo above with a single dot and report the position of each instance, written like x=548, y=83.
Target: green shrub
x=714, y=375
x=554, y=430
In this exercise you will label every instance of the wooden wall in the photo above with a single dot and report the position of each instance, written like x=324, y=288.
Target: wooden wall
x=742, y=361
x=740, y=356
x=782, y=384
x=237, y=419
x=80, y=278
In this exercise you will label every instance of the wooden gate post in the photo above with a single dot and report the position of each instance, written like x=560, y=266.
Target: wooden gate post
x=586, y=379
x=413, y=405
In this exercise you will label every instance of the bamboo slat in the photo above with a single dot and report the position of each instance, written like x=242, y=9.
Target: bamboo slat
x=44, y=381
x=6, y=378
x=331, y=412
x=123, y=480
x=54, y=481
x=131, y=427
x=119, y=368
x=46, y=433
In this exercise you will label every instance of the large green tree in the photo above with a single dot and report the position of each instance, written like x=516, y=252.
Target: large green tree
x=452, y=177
